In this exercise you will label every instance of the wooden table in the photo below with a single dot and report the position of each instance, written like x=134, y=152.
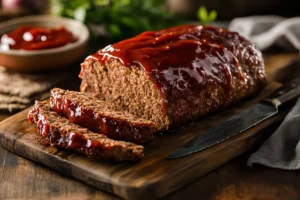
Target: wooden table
x=23, y=179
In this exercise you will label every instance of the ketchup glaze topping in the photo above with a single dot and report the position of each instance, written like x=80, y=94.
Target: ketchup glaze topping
x=184, y=59
x=36, y=38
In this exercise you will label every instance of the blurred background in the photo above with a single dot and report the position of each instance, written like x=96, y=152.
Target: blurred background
x=119, y=19
x=228, y=10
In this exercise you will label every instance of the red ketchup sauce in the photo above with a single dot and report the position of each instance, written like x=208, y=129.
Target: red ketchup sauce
x=36, y=38
x=72, y=140
x=182, y=60
x=112, y=128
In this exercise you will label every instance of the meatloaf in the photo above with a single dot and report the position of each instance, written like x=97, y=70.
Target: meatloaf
x=59, y=131
x=101, y=117
x=175, y=75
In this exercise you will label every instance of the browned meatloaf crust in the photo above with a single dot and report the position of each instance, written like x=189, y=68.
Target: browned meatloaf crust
x=101, y=117
x=176, y=75
x=60, y=132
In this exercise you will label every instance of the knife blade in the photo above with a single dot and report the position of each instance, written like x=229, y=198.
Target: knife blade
x=240, y=122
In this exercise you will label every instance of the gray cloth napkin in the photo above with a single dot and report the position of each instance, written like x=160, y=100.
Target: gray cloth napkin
x=282, y=149
x=266, y=31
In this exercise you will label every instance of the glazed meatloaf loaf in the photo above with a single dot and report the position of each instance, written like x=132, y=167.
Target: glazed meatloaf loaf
x=101, y=116
x=60, y=132
x=176, y=75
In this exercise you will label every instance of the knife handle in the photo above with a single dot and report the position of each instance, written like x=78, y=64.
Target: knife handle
x=285, y=93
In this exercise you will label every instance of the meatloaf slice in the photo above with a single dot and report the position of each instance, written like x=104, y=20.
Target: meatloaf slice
x=176, y=75
x=101, y=117
x=60, y=132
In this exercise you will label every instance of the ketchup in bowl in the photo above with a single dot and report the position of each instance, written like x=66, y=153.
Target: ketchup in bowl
x=36, y=38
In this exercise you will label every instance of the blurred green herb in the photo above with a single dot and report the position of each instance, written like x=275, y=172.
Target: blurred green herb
x=120, y=18
x=206, y=17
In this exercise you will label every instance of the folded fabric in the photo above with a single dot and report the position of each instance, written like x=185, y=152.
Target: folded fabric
x=12, y=107
x=27, y=85
x=7, y=99
x=19, y=90
x=282, y=149
x=15, y=103
x=266, y=31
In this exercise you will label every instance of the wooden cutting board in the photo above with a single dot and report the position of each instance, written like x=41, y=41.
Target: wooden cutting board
x=154, y=176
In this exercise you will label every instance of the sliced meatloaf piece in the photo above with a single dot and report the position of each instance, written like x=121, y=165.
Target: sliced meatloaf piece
x=176, y=75
x=101, y=117
x=60, y=132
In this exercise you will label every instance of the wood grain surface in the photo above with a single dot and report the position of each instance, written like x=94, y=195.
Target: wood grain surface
x=152, y=160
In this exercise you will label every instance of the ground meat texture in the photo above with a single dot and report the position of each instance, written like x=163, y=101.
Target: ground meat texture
x=60, y=132
x=176, y=75
x=101, y=116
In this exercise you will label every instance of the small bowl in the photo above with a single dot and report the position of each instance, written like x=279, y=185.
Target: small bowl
x=40, y=60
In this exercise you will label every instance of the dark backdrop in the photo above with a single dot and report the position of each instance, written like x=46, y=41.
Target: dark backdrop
x=228, y=9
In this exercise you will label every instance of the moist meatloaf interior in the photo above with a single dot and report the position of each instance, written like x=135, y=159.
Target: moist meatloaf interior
x=101, y=116
x=59, y=131
x=129, y=88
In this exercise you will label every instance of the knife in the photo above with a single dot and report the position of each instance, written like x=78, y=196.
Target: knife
x=240, y=122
